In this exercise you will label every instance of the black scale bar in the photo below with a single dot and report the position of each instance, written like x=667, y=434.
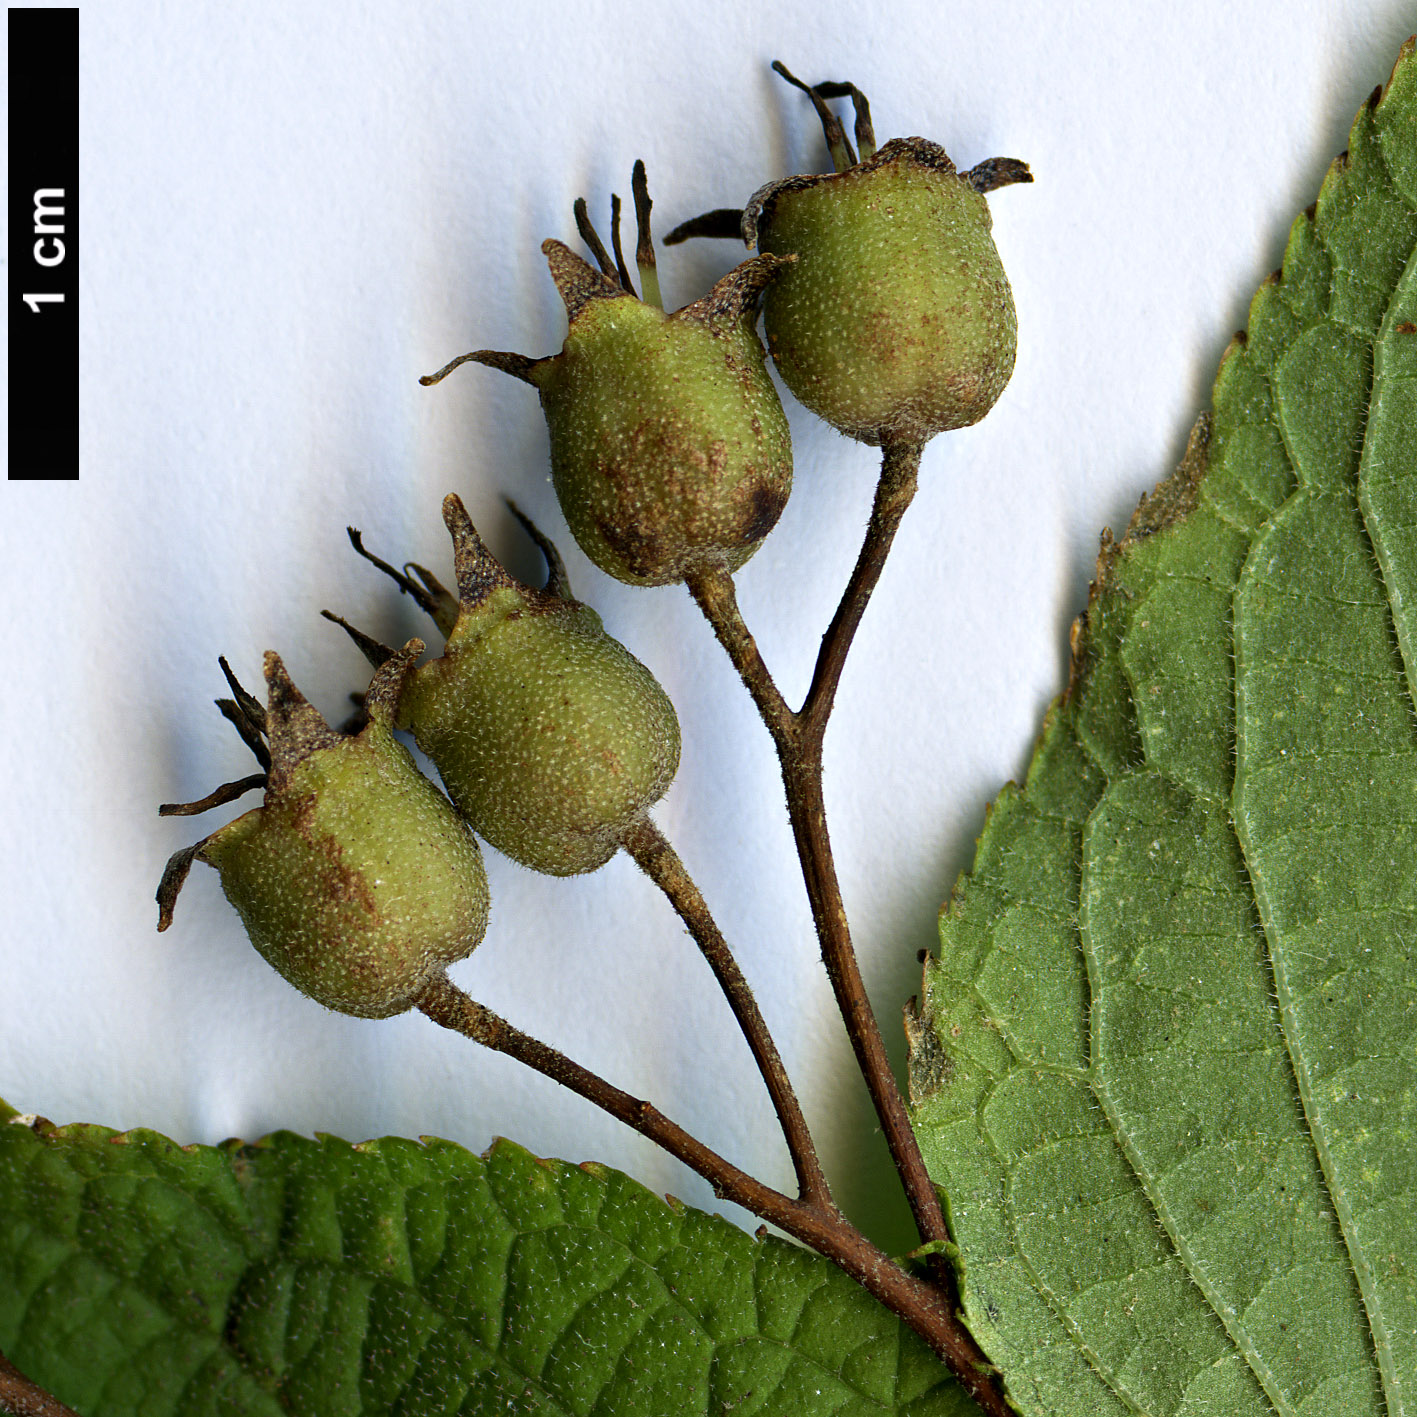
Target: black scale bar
x=44, y=244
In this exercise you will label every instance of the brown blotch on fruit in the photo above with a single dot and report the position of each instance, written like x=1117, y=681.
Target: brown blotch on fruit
x=663, y=426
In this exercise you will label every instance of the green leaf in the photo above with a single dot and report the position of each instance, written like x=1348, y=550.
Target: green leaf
x=1165, y=1066
x=139, y=1279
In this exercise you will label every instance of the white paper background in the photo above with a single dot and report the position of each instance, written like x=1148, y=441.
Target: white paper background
x=292, y=210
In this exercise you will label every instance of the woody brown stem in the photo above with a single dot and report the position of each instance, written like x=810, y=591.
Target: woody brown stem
x=824, y=1229
x=21, y=1397
x=798, y=738
x=660, y=862
x=900, y=466
x=714, y=593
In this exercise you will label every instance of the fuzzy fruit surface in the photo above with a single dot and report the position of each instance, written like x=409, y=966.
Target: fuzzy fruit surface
x=550, y=736
x=670, y=451
x=357, y=880
x=897, y=320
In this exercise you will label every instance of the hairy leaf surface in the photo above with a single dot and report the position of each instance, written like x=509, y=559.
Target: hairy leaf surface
x=1165, y=1065
x=140, y=1279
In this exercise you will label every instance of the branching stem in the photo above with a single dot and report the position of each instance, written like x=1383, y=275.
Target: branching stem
x=798, y=737
x=660, y=862
x=927, y=1305
x=814, y=1223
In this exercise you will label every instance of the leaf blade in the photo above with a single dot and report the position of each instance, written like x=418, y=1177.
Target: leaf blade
x=1139, y=755
x=398, y=1277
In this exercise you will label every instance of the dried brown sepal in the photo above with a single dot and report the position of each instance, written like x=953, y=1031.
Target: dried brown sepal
x=591, y=237
x=444, y=601
x=644, y=243
x=724, y=223
x=578, y=283
x=478, y=571
x=557, y=581
x=736, y=294
x=444, y=598
x=381, y=699
x=295, y=728
x=639, y=187
x=251, y=736
x=249, y=704
x=219, y=797
x=375, y=651
x=621, y=268
x=174, y=877
x=842, y=153
x=865, y=132
x=519, y=366
x=995, y=172
x=423, y=596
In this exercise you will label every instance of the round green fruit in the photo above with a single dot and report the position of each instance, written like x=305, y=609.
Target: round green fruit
x=356, y=879
x=896, y=321
x=670, y=451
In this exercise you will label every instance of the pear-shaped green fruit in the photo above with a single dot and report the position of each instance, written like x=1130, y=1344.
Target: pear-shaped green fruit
x=670, y=451
x=896, y=321
x=550, y=737
x=355, y=879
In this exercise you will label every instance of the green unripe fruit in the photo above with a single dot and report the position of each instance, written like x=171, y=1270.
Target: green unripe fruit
x=670, y=452
x=669, y=447
x=897, y=320
x=550, y=737
x=356, y=879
